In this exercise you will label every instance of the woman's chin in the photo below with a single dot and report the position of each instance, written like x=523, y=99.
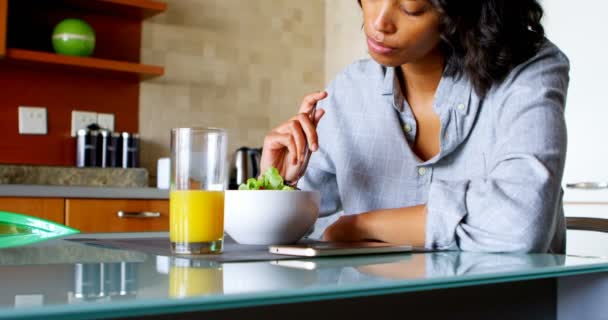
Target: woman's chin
x=386, y=60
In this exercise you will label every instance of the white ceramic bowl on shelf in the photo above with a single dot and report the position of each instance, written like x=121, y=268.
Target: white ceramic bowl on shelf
x=266, y=217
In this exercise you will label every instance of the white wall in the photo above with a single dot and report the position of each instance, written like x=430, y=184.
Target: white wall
x=580, y=29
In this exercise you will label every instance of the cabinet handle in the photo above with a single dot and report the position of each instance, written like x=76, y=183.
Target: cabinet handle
x=588, y=185
x=138, y=215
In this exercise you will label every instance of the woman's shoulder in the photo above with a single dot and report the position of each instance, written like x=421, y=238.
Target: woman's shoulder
x=547, y=68
x=535, y=89
x=351, y=92
x=360, y=72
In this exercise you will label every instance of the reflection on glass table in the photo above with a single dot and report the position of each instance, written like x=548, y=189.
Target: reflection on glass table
x=94, y=281
x=190, y=278
x=65, y=275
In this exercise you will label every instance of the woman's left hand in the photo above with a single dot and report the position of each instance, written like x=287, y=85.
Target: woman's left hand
x=347, y=229
x=399, y=226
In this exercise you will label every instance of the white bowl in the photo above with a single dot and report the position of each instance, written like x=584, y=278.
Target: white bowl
x=266, y=217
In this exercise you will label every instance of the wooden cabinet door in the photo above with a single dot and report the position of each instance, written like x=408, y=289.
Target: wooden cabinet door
x=97, y=215
x=46, y=208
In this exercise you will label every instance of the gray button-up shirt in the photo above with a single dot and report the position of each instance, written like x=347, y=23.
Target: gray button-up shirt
x=495, y=184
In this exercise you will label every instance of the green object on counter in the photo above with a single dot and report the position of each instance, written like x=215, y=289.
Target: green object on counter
x=19, y=229
x=74, y=37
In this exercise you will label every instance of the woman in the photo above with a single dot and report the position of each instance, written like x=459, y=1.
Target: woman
x=452, y=136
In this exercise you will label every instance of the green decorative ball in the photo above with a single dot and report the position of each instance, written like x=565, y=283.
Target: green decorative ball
x=74, y=37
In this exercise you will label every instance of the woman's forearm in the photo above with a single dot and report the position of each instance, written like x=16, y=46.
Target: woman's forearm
x=402, y=225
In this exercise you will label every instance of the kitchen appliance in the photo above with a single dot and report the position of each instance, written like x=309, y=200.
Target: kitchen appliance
x=130, y=150
x=86, y=148
x=108, y=149
x=246, y=164
x=102, y=148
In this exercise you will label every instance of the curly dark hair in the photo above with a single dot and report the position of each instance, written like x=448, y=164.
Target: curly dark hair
x=486, y=39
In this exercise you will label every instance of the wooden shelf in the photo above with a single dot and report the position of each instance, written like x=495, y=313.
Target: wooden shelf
x=140, y=9
x=151, y=5
x=84, y=64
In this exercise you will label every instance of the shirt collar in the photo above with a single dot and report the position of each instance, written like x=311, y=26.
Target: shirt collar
x=390, y=87
x=388, y=83
x=453, y=93
x=455, y=102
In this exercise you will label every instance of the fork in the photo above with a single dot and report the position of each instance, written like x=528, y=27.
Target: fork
x=307, y=153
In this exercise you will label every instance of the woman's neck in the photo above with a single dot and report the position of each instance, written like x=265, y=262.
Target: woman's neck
x=419, y=80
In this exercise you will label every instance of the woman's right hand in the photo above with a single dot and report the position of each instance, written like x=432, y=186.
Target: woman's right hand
x=284, y=147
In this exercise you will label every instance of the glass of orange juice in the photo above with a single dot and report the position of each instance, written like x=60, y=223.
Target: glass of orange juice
x=199, y=170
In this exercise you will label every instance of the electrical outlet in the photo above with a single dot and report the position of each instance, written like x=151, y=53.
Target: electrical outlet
x=32, y=120
x=81, y=119
x=106, y=120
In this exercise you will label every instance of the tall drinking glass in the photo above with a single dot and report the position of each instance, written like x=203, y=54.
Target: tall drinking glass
x=199, y=169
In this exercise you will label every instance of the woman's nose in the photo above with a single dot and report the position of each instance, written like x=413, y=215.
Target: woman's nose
x=384, y=22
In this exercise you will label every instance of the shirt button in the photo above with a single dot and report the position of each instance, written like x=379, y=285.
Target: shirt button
x=461, y=106
x=407, y=127
x=422, y=171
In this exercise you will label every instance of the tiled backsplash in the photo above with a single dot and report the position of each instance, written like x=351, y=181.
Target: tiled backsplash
x=344, y=37
x=241, y=65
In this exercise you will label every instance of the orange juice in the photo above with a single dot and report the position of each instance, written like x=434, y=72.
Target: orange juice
x=197, y=216
x=188, y=282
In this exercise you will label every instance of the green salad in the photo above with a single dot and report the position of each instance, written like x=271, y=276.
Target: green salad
x=270, y=180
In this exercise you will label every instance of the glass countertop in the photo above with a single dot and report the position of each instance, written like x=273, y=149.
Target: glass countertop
x=60, y=278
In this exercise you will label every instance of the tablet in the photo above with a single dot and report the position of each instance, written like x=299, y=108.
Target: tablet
x=319, y=249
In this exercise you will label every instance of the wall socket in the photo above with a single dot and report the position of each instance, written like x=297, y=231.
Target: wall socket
x=32, y=120
x=106, y=120
x=81, y=119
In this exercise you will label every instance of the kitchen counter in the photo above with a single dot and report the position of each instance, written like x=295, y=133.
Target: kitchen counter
x=38, y=191
x=66, y=279
x=73, y=176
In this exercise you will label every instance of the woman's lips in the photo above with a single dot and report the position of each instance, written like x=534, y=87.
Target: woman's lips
x=379, y=48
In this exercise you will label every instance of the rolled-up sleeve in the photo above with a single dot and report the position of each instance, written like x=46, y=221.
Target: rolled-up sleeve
x=515, y=207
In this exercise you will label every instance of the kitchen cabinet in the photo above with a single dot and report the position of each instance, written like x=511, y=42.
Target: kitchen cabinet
x=95, y=215
x=91, y=215
x=46, y=208
x=32, y=74
x=113, y=56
